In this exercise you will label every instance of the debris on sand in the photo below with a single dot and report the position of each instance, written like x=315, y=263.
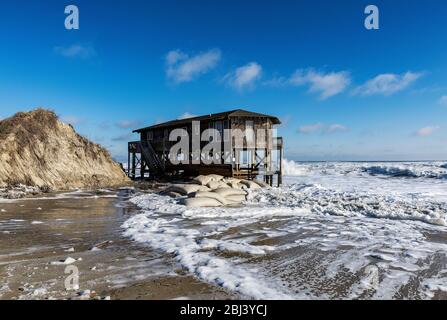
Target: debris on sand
x=67, y=261
x=19, y=191
x=90, y=295
x=100, y=246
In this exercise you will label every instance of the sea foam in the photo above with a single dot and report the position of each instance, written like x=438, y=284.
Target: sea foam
x=333, y=231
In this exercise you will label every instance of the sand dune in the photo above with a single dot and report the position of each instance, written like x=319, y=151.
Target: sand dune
x=37, y=149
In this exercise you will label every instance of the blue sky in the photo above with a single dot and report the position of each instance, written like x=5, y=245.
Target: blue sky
x=343, y=92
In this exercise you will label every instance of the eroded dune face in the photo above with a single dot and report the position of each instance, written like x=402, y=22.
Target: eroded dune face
x=36, y=149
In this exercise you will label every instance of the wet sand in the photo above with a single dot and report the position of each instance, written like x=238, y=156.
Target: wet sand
x=311, y=256
x=36, y=234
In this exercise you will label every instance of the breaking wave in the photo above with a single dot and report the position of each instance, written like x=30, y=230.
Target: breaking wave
x=291, y=168
x=432, y=170
x=408, y=171
x=319, y=200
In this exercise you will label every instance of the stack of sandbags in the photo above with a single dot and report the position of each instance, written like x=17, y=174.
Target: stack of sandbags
x=216, y=198
x=213, y=191
x=204, y=180
x=178, y=190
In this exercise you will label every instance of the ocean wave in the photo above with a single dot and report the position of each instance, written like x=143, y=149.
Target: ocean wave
x=407, y=171
x=431, y=170
x=324, y=201
x=291, y=168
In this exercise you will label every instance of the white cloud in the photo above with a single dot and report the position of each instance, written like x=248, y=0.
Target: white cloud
x=128, y=124
x=124, y=137
x=182, y=68
x=76, y=51
x=322, y=128
x=276, y=82
x=311, y=128
x=175, y=56
x=186, y=115
x=336, y=128
x=443, y=100
x=326, y=84
x=426, y=131
x=244, y=77
x=387, y=84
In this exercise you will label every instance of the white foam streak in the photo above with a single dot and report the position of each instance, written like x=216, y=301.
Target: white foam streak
x=188, y=245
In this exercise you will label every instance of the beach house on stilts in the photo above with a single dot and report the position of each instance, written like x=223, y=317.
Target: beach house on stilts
x=245, y=146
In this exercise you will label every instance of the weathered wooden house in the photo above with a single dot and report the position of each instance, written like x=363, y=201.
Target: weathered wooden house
x=258, y=154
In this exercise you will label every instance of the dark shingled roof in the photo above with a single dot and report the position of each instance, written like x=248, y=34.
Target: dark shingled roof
x=215, y=116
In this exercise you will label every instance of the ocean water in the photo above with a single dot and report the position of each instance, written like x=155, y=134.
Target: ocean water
x=337, y=230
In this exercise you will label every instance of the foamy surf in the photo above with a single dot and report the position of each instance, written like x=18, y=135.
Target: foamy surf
x=320, y=200
x=428, y=169
x=168, y=226
x=329, y=234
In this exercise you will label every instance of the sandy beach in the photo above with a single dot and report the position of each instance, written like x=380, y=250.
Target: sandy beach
x=36, y=233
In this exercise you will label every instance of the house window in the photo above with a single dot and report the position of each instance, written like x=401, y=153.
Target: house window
x=219, y=128
x=249, y=130
x=226, y=134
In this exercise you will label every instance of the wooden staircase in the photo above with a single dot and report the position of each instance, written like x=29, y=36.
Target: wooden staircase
x=156, y=166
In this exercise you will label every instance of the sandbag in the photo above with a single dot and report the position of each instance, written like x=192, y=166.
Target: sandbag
x=231, y=180
x=201, y=202
x=236, y=198
x=215, y=177
x=251, y=184
x=225, y=192
x=236, y=185
x=261, y=183
x=186, y=189
x=216, y=185
x=212, y=195
x=202, y=180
